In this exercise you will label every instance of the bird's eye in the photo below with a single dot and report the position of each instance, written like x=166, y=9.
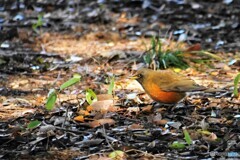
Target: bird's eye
x=140, y=75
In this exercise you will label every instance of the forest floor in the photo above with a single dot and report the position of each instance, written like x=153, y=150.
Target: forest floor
x=43, y=44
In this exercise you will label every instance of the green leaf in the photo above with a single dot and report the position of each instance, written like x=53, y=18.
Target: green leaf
x=205, y=132
x=39, y=23
x=159, y=47
x=90, y=96
x=33, y=124
x=52, y=97
x=177, y=145
x=111, y=85
x=147, y=58
x=117, y=154
x=187, y=137
x=75, y=79
x=153, y=45
x=236, y=81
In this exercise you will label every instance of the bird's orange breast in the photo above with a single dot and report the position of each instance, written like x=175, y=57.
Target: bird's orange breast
x=155, y=92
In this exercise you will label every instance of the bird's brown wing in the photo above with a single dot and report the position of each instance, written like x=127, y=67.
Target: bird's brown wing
x=172, y=82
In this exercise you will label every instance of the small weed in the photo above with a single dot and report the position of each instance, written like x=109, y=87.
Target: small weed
x=159, y=59
x=111, y=85
x=236, y=81
x=52, y=95
x=91, y=96
x=180, y=144
x=33, y=124
x=38, y=24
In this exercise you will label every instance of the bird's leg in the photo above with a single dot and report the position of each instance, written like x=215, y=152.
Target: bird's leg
x=182, y=104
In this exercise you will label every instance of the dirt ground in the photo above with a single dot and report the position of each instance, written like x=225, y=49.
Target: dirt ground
x=43, y=43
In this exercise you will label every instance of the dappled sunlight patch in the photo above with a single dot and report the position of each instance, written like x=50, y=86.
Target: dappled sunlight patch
x=90, y=44
x=14, y=111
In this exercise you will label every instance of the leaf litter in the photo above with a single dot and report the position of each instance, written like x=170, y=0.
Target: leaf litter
x=113, y=42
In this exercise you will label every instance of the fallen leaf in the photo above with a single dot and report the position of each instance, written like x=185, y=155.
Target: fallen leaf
x=96, y=157
x=104, y=106
x=117, y=155
x=133, y=109
x=195, y=47
x=147, y=109
x=99, y=122
x=46, y=128
x=161, y=110
x=79, y=118
x=157, y=119
x=135, y=126
x=102, y=97
x=89, y=108
x=211, y=138
x=83, y=112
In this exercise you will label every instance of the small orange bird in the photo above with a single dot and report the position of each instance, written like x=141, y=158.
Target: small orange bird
x=166, y=86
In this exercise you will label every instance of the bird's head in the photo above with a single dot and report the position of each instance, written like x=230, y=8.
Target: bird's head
x=141, y=74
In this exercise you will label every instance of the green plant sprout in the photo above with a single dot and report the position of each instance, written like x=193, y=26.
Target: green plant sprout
x=187, y=137
x=111, y=85
x=236, y=81
x=39, y=23
x=52, y=98
x=90, y=96
x=52, y=95
x=181, y=145
x=33, y=124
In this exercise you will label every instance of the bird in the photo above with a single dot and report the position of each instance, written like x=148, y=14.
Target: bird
x=166, y=86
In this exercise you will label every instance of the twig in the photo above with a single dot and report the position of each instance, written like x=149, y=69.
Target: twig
x=105, y=136
x=68, y=130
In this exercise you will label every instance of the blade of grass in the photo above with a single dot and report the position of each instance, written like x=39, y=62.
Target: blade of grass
x=111, y=85
x=187, y=137
x=236, y=81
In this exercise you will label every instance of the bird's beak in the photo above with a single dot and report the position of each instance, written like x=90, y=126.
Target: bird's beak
x=134, y=77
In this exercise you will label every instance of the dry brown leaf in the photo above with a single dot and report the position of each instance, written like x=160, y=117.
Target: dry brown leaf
x=195, y=135
x=147, y=109
x=83, y=112
x=104, y=106
x=99, y=122
x=102, y=97
x=161, y=110
x=135, y=126
x=97, y=157
x=133, y=109
x=214, y=120
x=157, y=119
x=213, y=136
x=210, y=138
x=195, y=47
x=161, y=122
x=89, y=108
x=79, y=118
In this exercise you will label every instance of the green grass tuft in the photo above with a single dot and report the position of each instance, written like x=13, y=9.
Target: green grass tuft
x=159, y=59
